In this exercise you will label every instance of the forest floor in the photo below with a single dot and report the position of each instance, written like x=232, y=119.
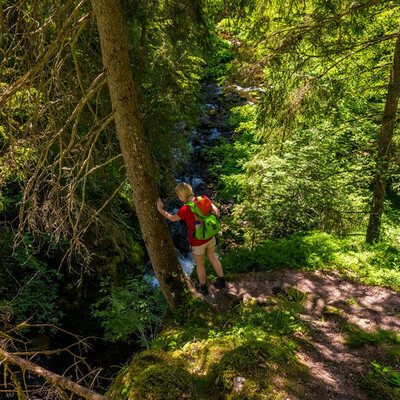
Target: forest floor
x=332, y=304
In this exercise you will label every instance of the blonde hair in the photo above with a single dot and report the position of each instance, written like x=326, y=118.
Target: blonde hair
x=184, y=190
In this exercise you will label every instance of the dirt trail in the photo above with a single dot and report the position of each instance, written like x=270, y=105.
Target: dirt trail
x=336, y=369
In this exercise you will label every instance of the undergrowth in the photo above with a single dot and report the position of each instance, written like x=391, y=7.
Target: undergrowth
x=383, y=380
x=377, y=264
x=249, y=353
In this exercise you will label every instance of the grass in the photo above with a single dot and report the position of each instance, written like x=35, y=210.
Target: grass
x=377, y=264
x=357, y=338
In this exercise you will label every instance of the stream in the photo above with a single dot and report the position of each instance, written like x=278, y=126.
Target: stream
x=213, y=125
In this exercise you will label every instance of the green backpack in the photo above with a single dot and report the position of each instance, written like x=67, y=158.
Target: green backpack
x=207, y=224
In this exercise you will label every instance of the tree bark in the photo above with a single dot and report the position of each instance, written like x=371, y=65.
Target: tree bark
x=384, y=147
x=55, y=379
x=137, y=159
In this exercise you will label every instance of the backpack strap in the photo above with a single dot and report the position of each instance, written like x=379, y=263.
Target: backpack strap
x=198, y=217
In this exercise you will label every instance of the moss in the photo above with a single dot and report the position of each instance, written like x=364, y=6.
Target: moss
x=147, y=358
x=377, y=388
x=392, y=353
x=162, y=382
x=192, y=323
x=261, y=366
x=214, y=350
x=171, y=339
x=202, y=357
x=252, y=393
x=248, y=361
x=132, y=373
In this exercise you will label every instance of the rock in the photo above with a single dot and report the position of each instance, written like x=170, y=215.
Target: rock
x=247, y=298
x=261, y=300
x=238, y=384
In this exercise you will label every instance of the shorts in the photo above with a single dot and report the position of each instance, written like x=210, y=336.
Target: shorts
x=200, y=250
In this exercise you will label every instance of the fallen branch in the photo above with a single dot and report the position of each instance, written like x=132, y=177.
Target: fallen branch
x=57, y=380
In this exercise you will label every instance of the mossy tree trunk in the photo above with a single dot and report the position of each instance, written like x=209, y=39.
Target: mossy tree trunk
x=137, y=159
x=384, y=147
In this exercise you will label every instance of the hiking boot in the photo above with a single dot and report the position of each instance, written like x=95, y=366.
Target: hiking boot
x=220, y=283
x=202, y=288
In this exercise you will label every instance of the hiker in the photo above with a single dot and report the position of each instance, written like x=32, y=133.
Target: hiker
x=199, y=247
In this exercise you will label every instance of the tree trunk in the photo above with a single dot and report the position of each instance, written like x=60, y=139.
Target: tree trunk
x=384, y=146
x=55, y=379
x=137, y=159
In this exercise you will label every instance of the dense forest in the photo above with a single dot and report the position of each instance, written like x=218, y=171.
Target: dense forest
x=284, y=114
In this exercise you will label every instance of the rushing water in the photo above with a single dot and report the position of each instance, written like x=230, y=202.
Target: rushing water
x=213, y=124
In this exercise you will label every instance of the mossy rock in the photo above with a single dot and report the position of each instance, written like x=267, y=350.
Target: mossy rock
x=171, y=338
x=248, y=361
x=214, y=350
x=256, y=390
x=249, y=394
x=135, y=376
x=147, y=358
x=258, y=364
x=377, y=388
x=162, y=382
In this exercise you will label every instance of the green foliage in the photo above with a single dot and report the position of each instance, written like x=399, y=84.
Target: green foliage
x=129, y=311
x=374, y=264
x=17, y=152
x=10, y=196
x=217, y=60
x=387, y=373
x=29, y=285
x=229, y=157
x=306, y=184
x=325, y=80
x=309, y=251
x=215, y=9
x=252, y=342
x=300, y=188
x=358, y=338
x=382, y=383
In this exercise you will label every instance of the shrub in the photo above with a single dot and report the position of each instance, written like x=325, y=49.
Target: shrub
x=31, y=286
x=131, y=310
x=377, y=264
x=382, y=383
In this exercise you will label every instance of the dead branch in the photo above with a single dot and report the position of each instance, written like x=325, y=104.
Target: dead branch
x=43, y=60
x=55, y=379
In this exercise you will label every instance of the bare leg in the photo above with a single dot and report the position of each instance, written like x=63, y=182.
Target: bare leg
x=201, y=272
x=210, y=251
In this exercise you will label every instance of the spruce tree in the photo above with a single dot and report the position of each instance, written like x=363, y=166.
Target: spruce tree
x=138, y=162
